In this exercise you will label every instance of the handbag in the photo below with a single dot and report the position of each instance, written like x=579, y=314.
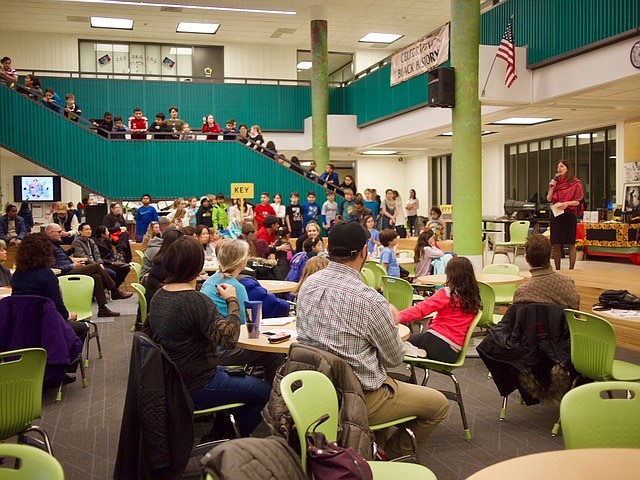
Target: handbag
x=329, y=461
x=115, y=236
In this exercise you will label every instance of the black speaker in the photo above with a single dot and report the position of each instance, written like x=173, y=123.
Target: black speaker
x=441, y=91
x=94, y=214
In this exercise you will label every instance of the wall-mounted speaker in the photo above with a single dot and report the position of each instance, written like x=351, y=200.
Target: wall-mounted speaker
x=441, y=88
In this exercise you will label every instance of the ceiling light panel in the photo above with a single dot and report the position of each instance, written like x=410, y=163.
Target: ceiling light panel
x=379, y=152
x=113, y=23
x=380, y=38
x=191, y=27
x=522, y=121
x=304, y=65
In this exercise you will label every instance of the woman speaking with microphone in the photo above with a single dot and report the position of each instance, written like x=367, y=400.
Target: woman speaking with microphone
x=565, y=194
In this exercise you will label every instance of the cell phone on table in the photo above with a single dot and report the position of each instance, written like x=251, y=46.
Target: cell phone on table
x=279, y=337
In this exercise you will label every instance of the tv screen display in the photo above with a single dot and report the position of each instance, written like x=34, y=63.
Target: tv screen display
x=36, y=188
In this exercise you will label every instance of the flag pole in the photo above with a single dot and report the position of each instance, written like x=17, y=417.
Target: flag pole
x=484, y=88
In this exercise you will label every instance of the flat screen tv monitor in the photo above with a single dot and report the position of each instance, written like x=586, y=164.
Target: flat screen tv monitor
x=36, y=188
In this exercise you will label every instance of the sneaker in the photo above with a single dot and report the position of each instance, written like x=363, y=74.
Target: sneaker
x=410, y=350
x=105, y=312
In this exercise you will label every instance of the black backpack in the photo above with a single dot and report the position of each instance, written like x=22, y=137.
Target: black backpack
x=617, y=299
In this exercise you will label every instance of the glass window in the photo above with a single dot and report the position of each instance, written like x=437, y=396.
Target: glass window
x=441, y=180
x=530, y=165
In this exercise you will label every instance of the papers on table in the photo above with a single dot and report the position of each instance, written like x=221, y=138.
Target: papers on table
x=276, y=322
x=616, y=312
x=556, y=210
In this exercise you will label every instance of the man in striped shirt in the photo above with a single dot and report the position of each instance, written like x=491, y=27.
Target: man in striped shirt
x=338, y=313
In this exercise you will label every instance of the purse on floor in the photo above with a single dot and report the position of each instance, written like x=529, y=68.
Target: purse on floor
x=329, y=461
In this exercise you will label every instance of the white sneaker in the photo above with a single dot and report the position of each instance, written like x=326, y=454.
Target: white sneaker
x=410, y=350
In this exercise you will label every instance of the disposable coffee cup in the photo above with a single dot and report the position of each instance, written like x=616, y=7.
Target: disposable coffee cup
x=253, y=315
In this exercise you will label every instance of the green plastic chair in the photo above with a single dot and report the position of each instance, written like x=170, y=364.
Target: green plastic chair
x=487, y=296
x=77, y=295
x=34, y=464
x=399, y=292
x=368, y=278
x=142, y=303
x=202, y=448
x=135, y=266
x=140, y=254
x=504, y=292
x=447, y=369
x=409, y=267
x=593, y=347
x=314, y=397
x=21, y=377
x=378, y=273
x=591, y=421
x=518, y=232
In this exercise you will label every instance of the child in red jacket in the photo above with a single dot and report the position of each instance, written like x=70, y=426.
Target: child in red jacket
x=456, y=304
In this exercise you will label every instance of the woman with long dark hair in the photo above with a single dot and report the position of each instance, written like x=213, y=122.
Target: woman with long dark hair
x=456, y=303
x=565, y=194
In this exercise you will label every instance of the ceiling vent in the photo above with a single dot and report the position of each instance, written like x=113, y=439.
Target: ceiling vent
x=171, y=9
x=78, y=19
x=279, y=32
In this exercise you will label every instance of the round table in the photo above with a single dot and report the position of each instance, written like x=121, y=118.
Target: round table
x=566, y=465
x=5, y=292
x=261, y=344
x=278, y=286
x=490, y=278
x=401, y=260
x=211, y=267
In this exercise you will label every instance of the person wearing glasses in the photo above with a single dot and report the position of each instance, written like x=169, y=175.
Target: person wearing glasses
x=101, y=278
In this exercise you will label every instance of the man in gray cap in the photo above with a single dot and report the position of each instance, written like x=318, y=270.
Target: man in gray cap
x=338, y=313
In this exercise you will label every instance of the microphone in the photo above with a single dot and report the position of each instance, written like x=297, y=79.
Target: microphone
x=555, y=177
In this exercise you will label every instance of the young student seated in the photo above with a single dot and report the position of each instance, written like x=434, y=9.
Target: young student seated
x=388, y=260
x=311, y=248
x=435, y=223
x=456, y=304
x=160, y=130
x=232, y=256
x=138, y=125
x=71, y=110
x=425, y=252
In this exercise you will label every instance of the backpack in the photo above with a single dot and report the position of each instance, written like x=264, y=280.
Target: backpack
x=617, y=299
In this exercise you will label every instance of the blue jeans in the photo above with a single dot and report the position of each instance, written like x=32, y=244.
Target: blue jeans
x=223, y=388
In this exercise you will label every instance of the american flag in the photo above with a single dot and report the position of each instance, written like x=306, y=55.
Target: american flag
x=507, y=52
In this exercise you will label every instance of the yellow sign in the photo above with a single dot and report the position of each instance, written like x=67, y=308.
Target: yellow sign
x=242, y=190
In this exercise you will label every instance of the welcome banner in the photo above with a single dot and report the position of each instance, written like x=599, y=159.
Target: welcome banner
x=421, y=56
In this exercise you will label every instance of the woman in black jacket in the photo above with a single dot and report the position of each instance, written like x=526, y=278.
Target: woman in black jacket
x=117, y=226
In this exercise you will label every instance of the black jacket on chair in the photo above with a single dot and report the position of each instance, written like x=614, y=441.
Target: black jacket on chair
x=156, y=435
x=530, y=339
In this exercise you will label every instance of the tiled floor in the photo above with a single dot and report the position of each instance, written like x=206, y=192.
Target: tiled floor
x=85, y=426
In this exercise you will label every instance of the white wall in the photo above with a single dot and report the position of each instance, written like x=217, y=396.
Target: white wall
x=11, y=164
x=363, y=59
x=382, y=173
x=51, y=51
x=493, y=179
x=418, y=177
x=260, y=61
